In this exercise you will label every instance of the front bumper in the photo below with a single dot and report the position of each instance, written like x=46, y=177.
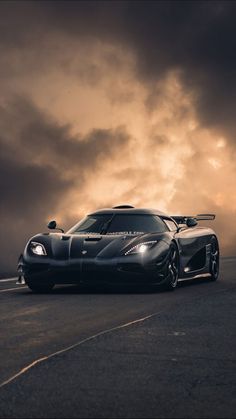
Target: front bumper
x=127, y=269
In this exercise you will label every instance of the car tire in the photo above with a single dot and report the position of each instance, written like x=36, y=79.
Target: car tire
x=214, y=260
x=40, y=288
x=172, y=273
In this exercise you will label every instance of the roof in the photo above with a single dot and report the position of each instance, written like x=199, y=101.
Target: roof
x=129, y=211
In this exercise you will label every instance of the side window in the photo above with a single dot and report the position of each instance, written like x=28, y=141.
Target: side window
x=170, y=224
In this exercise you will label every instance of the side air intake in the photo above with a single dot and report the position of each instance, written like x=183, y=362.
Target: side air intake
x=122, y=206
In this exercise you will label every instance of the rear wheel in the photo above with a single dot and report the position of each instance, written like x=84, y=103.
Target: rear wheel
x=40, y=288
x=172, y=269
x=214, y=260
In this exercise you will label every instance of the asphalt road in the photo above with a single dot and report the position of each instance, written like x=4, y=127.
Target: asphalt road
x=121, y=353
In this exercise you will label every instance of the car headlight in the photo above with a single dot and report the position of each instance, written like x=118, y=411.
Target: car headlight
x=141, y=247
x=38, y=249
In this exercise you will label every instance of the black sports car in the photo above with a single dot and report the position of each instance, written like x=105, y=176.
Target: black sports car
x=122, y=245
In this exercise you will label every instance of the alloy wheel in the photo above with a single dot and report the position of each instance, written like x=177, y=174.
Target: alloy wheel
x=214, y=261
x=173, y=271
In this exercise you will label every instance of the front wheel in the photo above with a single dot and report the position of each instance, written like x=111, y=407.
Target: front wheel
x=40, y=288
x=172, y=273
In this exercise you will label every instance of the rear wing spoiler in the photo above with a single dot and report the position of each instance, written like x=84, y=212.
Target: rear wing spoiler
x=181, y=219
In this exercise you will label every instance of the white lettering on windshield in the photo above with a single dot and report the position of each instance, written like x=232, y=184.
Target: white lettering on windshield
x=125, y=232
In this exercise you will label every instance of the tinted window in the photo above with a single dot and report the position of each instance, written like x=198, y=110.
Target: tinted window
x=91, y=224
x=135, y=224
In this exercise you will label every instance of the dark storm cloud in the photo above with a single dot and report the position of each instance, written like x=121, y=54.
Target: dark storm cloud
x=39, y=164
x=196, y=37
x=39, y=138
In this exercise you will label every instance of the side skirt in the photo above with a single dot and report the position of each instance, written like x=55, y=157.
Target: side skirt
x=206, y=275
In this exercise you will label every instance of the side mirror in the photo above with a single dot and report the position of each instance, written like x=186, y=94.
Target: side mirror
x=52, y=225
x=191, y=222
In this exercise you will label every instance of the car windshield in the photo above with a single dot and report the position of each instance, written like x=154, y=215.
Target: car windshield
x=119, y=224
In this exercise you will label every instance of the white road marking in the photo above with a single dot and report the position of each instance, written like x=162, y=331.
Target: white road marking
x=68, y=348
x=8, y=279
x=11, y=289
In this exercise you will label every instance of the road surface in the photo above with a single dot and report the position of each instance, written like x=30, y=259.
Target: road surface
x=121, y=353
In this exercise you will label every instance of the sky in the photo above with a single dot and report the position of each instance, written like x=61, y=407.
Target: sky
x=104, y=103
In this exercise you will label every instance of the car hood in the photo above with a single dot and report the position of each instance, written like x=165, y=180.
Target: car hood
x=72, y=246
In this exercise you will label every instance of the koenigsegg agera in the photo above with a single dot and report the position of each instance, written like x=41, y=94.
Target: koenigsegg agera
x=122, y=245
